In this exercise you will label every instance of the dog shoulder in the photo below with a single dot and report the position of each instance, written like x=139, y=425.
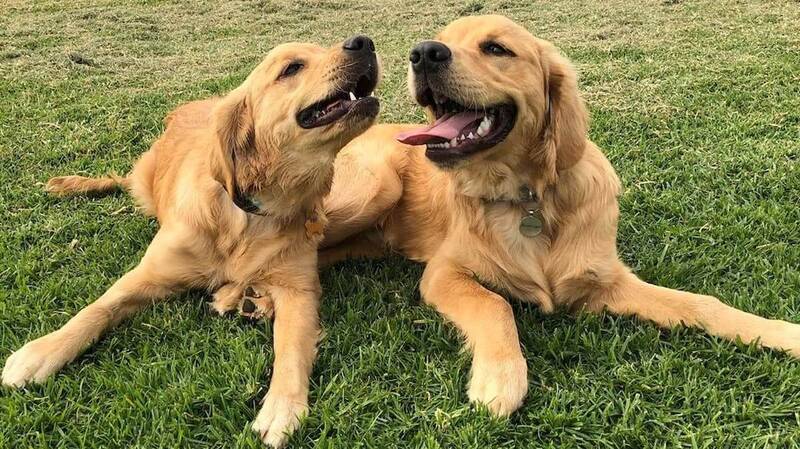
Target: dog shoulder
x=195, y=114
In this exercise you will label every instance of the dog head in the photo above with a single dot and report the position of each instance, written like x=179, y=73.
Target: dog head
x=296, y=110
x=495, y=91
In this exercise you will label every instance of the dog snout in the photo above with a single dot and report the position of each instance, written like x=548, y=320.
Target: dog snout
x=429, y=56
x=359, y=46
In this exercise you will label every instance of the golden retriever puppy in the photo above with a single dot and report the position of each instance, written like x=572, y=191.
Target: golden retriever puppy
x=503, y=192
x=236, y=184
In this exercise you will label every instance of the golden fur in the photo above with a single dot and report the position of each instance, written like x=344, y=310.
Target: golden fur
x=387, y=193
x=250, y=142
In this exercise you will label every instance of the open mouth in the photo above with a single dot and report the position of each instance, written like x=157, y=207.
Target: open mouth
x=351, y=99
x=459, y=130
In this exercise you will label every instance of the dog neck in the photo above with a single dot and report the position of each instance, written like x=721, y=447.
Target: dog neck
x=500, y=176
x=285, y=188
x=498, y=179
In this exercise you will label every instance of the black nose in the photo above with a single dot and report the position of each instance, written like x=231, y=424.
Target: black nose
x=430, y=55
x=359, y=44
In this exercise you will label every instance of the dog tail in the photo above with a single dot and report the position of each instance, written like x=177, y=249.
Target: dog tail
x=81, y=185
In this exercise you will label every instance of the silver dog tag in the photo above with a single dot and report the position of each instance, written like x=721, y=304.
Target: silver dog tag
x=531, y=225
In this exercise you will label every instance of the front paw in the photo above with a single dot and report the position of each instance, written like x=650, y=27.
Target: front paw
x=279, y=417
x=226, y=299
x=249, y=302
x=256, y=305
x=36, y=361
x=786, y=338
x=500, y=385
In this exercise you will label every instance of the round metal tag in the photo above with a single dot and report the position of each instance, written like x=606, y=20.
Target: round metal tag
x=531, y=225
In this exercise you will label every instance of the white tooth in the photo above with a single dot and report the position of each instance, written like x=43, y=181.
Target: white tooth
x=454, y=142
x=462, y=137
x=446, y=145
x=352, y=96
x=370, y=94
x=481, y=131
x=471, y=136
x=485, y=121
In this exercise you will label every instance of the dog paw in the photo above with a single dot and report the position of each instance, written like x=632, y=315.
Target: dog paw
x=500, y=385
x=226, y=299
x=255, y=305
x=35, y=361
x=60, y=184
x=279, y=417
x=787, y=338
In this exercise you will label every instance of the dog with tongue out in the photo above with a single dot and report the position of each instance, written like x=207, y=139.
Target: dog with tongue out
x=462, y=126
x=504, y=192
x=445, y=132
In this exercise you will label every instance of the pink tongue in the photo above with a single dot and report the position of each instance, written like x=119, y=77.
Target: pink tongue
x=448, y=127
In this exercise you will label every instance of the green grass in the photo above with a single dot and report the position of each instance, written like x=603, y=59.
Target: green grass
x=697, y=104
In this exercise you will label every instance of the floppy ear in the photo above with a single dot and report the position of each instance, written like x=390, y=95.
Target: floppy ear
x=234, y=129
x=566, y=120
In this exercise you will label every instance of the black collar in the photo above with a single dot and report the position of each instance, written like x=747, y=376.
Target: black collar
x=526, y=195
x=247, y=203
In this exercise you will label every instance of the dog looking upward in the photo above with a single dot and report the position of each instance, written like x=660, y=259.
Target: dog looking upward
x=236, y=184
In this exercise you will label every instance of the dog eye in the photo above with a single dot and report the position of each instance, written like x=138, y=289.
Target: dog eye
x=495, y=49
x=291, y=69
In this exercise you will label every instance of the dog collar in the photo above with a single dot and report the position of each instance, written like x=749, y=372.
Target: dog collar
x=314, y=226
x=532, y=222
x=249, y=204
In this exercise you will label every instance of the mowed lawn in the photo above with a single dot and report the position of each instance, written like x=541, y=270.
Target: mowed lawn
x=697, y=104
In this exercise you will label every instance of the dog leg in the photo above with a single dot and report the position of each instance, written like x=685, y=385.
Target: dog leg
x=668, y=308
x=499, y=371
x=295, y=333
x=40, y=358
x=366, y=186
x=361, y=245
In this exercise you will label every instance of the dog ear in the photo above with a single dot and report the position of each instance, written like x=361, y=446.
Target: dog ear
x=566, y=120
x=235, y=131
